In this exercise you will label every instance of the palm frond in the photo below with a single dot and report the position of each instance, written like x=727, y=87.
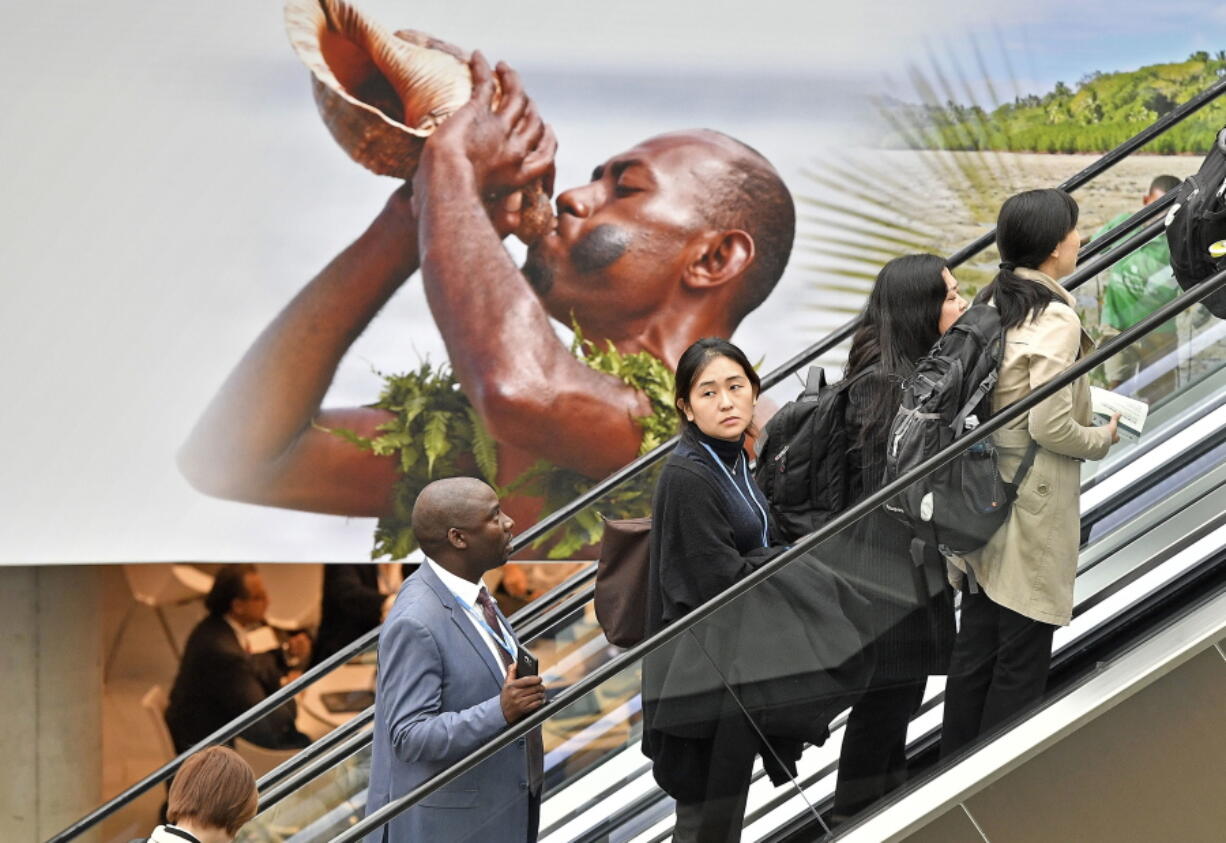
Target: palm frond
x=868, y=206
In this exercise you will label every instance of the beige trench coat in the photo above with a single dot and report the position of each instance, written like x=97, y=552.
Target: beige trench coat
x=1030, y=564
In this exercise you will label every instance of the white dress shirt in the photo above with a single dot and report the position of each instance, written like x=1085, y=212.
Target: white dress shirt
x=466, y=592
x=239, y=632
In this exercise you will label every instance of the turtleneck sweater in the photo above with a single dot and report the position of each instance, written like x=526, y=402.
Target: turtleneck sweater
x=727, y=450
x=726, y=464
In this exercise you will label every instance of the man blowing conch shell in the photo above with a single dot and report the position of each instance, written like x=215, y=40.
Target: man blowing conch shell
x=673, y=240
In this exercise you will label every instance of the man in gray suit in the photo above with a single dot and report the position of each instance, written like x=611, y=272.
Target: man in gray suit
x=448, y=683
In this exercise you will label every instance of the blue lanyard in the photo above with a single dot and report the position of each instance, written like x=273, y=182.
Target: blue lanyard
x=732, y=480
x=504, y=641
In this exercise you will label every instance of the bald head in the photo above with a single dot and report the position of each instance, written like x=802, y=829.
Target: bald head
x=459, y=502
x=750, y=196
x=690, y=228
x=460, y=525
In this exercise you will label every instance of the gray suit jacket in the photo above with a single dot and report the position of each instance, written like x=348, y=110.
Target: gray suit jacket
x=437, y=701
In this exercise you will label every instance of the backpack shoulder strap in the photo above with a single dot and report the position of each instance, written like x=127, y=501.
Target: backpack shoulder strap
x=1024, y=468
x=995, y=343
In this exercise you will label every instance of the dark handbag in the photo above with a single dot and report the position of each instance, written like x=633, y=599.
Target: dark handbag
x=621, y=580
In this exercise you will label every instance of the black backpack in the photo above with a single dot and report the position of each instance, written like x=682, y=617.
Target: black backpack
x=1196, y=226
x=802, y=455
x=961, y=505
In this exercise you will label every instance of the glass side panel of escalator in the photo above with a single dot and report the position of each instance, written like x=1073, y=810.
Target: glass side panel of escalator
x=592, y=747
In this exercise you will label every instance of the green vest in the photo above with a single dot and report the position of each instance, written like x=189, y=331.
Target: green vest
x=1139, y=283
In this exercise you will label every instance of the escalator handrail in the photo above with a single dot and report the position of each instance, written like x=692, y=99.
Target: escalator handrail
x=1062, y=660
x=221, y=735
x=1126, y=227
x=1059, y=658
x=630, y=470
x=313, y=754
x=1112, y=158
x=841, y=333
x=337, y=751
x=578, y=597
x=801, y=547
x=317, y=748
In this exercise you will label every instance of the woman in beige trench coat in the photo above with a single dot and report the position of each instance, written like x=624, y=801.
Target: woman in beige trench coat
x=1022, y=583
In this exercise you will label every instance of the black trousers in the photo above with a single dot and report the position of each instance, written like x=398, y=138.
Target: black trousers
x=719, y=815
x=999, y=667
x=873, y=760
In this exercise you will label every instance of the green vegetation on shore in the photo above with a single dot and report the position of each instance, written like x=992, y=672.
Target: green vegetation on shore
x=1103, y=111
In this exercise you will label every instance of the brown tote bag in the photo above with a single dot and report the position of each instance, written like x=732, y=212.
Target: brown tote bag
x=621, y=580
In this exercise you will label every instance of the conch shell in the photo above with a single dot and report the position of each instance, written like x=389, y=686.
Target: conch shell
x=381, y=94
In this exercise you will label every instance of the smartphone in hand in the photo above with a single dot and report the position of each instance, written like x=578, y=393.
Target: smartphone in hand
x=525, y=664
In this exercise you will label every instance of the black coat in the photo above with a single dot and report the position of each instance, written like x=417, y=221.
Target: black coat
x=352, y=606
x=792, y=650
x=218, y=681
x=912, y=610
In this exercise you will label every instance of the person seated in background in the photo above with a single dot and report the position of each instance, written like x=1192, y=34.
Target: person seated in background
x=220, y=677
x=356, y=599
x=1135, y=287
x=213, y=795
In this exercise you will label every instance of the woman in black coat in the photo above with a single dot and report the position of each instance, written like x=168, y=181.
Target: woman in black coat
x=914, y=300
x=764, y=674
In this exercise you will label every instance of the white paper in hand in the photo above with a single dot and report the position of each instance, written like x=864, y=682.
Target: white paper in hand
x=1106, y=403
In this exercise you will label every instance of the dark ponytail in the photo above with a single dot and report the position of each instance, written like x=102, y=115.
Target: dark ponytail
x=1029, y=228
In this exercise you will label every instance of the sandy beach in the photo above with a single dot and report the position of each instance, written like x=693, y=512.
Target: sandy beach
x=949, y=199
x=964, y=211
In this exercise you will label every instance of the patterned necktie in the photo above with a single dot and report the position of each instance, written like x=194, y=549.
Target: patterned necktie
x=491, y=617
x=535, y=748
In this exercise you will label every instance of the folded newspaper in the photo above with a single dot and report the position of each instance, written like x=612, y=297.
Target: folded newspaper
x=1106, y=403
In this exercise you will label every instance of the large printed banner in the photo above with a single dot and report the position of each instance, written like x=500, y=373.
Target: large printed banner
x=169, y=187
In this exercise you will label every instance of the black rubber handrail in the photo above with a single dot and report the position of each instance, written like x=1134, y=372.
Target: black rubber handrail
x=840, y=334
x=1187, y=586
x=326, y=760
x=800, y=548
x=1058, y=660
x=317, y=748
x=1110, y=238
x=632, y=469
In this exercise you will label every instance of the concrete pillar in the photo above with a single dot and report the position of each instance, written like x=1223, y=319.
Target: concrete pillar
x=50, y=698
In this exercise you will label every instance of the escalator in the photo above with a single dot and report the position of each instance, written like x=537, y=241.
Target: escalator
x=1142, y=507
x=1155, y=529
x=1167, y=548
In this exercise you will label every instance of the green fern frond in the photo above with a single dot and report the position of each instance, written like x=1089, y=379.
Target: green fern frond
x=434, y=428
